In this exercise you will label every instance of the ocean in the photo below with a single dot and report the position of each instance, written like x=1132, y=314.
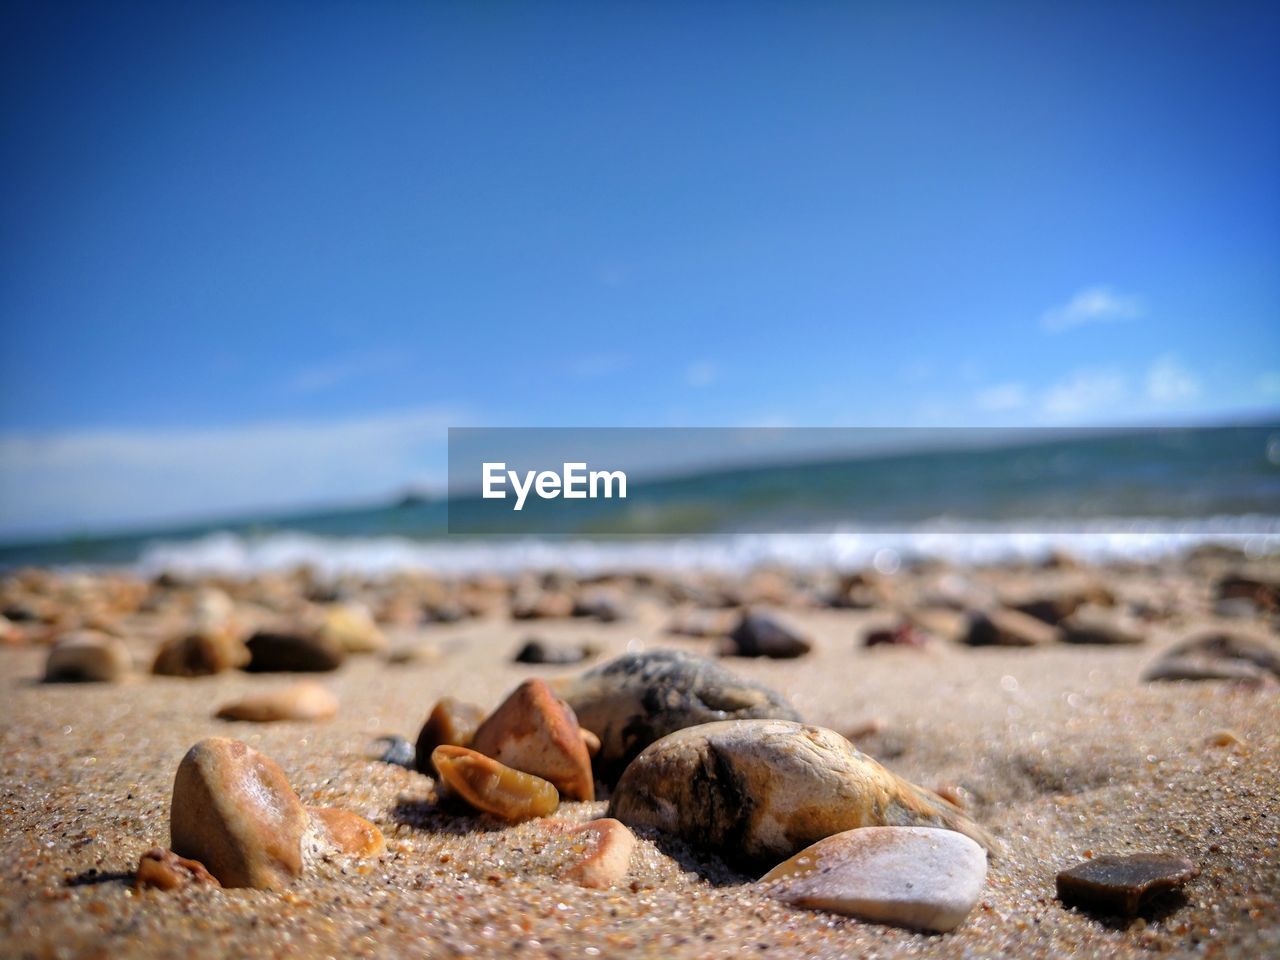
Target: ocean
x=1104, y=496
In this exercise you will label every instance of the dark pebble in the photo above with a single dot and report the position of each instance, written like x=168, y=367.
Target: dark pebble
x=1119, y=885
x=399, y=751
x=538, y=651
x=292, y=653
x=764, y=635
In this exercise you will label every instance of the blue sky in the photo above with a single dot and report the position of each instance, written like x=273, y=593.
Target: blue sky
x=262, y=255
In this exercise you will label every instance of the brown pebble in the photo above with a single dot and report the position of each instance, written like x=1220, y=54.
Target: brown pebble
x=162, y=869
x=1119, y=885
x=200, y=654
x=451, y=723
x=293, y=652
x=490, y=786
x=1226, y=738
x=88, y=657
x=234, y=811
x=302, y=701
x=350, y=833
x=536, y=732
x=1009, y=628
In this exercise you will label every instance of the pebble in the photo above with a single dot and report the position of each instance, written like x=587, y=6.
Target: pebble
x=1008, y=628
x=1120, y=885
x=767, y=635
x=607, y=606
x=607, y=858
x=234, y=811
x=271, y=651
x=451, y=723
x=917, y=877
x=638, y=698
x=903, y=635
x=536, y=732
x=398, y=752
x=1219, y=656
x=351, y=627
x=493, y=788
x=161, y=869
x=200, y=654
x=1102, y=627
x=347, y=832
x=302, y=701
x=701, y=623
x=758, y=791
x=539, y=651
x=87, y=656
x=541, y=605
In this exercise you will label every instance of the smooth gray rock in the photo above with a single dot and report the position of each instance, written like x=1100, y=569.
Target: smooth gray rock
x=638, y=698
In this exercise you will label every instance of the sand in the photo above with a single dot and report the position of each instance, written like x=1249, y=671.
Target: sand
x=1060, y=751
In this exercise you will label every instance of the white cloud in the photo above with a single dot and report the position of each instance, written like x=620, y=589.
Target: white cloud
x=701, y=374
x=1002, y=397
x=1084, y=392
x=1169, y=382
x=95, y=478
x=1092, y=305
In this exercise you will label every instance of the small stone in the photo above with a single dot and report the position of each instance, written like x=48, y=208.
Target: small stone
x=946, y=624
x=234, y=811
x=608, y=857
x=1055, y=604
x=607, y=606
x=347, y=832
x=701, y=623
x=161, y=869
x=536, y=732
x=293, y=653
x=1261, y=589
x=493, y=788
x=416, y=653
x=88, y=657
x=450, y=723
x=917, y=877
x=398, y=752
x=758, y=791
x=302, y=701
x=351, y=627
x=767, y=635
x=1219, y=656
x=200, y=654
x=1008, y=628
x=1094, y=626
x=542, y=605
x=903, y=635
x=1226, y=738
x=1237, y=608
x=539, y=651
x=1120, y=885
x=638, y=698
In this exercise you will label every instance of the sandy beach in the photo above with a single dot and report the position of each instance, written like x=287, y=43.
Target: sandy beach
x=1061, y=750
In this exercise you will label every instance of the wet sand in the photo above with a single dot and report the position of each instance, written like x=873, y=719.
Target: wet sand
x=1061, y=751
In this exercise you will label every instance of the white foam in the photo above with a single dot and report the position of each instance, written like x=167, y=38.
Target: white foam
x=1102, y=540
